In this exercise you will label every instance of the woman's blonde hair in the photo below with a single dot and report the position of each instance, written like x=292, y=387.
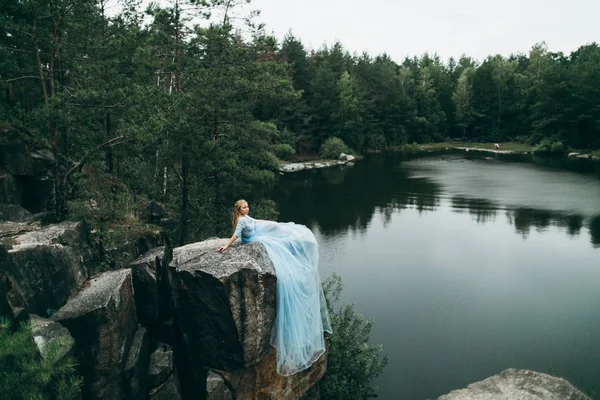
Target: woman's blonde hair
x=237, y=212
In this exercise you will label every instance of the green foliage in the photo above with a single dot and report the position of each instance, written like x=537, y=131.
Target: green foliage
x=24, y=374
x=202, y=111
x=283, y=151
x=100, y=198
x=353, y=363
x=550, y=146
x=332, y=148
x=413, y=148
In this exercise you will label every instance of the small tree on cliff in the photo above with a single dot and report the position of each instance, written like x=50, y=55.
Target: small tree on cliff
x=353, y=363
x=24, y=374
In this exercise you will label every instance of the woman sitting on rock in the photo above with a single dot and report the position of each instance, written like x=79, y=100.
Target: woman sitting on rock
x=301, y=316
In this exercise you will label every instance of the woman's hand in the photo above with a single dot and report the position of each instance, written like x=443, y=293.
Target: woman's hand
x=223, y=248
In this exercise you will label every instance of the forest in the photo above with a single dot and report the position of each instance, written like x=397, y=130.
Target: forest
x=192, y=104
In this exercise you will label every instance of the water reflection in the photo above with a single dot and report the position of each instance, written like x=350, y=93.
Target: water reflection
x=338, y=199
x=482, y=210
x=342, y=199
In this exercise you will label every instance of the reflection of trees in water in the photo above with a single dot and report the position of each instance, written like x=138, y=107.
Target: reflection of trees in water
x=579, y=165
x=595, y=231
x=338, y=199
x=482, y=210
x=525, y=218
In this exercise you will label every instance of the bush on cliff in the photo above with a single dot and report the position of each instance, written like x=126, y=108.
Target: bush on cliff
x=24, y=374
x=353, y=363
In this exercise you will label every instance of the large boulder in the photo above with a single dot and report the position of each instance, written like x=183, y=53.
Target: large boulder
x=135, y=246
x=101, y=319
x=224, y=303
x=162, y=375
x=518, y=384
x=40, y=257
x=47, y=334
x=13, y=212
x=161, y=365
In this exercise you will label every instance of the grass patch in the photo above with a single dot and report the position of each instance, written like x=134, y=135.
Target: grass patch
x=595, y=154
x=510, y=146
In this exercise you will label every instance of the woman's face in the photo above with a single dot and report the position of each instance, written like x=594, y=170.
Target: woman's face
x=244, y=209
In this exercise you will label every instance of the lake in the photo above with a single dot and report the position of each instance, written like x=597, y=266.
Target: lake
x=466, y=265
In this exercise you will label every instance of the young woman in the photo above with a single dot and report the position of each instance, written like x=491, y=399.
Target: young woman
x=302, y=316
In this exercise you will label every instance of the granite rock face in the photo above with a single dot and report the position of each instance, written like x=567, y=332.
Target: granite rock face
x=135, y=374
x=45, y=332
x=262, y=382
x=25, y=175
x=101, y=319
x=151, y=286
x=519, y=384
x=38, y=258
x=224, y=303
x=216, y=389
x=224, y=310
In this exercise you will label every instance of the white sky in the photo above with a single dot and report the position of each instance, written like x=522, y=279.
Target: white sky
x=402, y=28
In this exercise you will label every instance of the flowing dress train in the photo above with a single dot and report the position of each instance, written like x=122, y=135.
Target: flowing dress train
x=301, y=310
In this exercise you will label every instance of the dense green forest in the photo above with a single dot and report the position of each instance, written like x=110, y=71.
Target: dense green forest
x=191, y=105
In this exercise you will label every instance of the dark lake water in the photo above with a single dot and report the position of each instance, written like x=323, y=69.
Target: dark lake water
x=467, y=266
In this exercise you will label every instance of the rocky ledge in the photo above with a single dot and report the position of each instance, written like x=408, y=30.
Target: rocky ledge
x=513, y=384
x=183, y=323
x=343, y=159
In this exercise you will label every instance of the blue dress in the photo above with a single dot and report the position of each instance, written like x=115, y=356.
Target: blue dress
x=301, y=316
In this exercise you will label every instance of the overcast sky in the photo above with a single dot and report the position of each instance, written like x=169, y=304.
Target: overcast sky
x=402, y=28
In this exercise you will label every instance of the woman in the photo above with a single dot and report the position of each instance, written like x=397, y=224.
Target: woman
x=302, y=316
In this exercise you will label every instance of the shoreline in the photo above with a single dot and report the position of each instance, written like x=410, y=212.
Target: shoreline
x=295, y=166
x=512, y=148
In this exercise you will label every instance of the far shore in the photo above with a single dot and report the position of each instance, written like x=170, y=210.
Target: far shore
x=308, y=161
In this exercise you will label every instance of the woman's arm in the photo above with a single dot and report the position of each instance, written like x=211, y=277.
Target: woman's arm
x=223, y=248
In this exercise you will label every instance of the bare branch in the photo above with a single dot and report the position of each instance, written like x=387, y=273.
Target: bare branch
x=21, y=77
x=19, y=50
x=79, y=165
x=95, y=105
x=177, y=173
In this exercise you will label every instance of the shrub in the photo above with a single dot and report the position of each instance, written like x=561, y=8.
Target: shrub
x=332, y=148
x=283, y=151
x=413, y=148
x=550, y=146
x=24, y=374
x=353, y=363
x=375, y=142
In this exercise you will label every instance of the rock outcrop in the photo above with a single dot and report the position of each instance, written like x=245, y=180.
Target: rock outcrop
x=224, y=309
x=151, y=286
x=46, y=332
x=135, y=373
x=519, y=384
x=44, y=265
x=162, y=377
x=157, y=328
x=224, y=303
x=101, y=318
x=25, y=175
x=261, y=380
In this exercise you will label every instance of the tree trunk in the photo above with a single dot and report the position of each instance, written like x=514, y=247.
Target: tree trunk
x=184, y=201
x=109, y=152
